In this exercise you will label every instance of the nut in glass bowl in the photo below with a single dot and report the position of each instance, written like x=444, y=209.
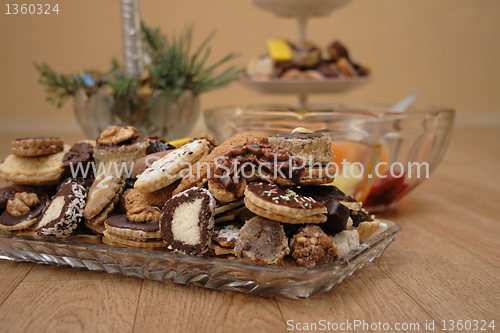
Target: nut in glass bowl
x=379, y=156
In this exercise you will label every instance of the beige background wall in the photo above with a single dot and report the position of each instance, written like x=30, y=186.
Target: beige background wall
x=449, y=50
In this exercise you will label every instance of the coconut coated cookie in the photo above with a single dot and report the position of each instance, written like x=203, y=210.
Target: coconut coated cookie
x=64, y=212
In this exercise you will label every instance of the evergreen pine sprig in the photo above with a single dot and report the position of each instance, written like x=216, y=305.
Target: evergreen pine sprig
x=59, y=87
x=172, y=67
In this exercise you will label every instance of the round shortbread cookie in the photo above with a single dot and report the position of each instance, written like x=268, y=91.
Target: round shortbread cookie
x=33, y=147
x=282, y=200
x=113, y=240
x=43, y=170
x=167, y=169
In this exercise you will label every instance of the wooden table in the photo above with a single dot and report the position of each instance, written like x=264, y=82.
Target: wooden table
x=444, y=267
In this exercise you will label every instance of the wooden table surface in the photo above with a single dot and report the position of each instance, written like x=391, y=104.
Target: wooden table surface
x=444, y=267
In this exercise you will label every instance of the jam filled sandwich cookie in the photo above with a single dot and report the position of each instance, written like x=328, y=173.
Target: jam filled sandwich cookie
x=22, y=211
x=64, y=212
x=103, y=195
x=262, y=240
x=122, y=231
x=33, y=147
x=284, y=204
x=187, y=221
x=170, y=167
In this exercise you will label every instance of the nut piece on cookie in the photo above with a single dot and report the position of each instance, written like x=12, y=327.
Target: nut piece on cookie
x=10, y=223
x=262, y=240
x=21, y=203
x=33, y=147
x=121, y=144
x=117, y=134
x=312, y=247
x=187, y=221
x=64, y=212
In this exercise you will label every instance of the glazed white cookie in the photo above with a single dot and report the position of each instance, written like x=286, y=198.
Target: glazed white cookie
x=170, y=167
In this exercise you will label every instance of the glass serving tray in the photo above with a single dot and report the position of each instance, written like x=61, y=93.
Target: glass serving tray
x=208, y=272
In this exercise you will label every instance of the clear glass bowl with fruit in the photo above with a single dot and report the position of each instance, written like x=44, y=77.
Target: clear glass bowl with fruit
x=380, y=155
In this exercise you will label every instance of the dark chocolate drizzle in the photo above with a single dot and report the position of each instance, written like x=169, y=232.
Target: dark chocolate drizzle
x=9, y=220
x=261, y=156
x=121, y=221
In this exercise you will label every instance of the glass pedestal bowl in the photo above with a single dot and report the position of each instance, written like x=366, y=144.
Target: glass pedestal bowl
x=163, y=115
x=380, y=156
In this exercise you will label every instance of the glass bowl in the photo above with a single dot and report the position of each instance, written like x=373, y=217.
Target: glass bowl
x=380, y=156
x=162, y=115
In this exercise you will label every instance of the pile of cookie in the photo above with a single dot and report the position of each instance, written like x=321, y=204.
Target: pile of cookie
x=264, y=199
x=305, y=60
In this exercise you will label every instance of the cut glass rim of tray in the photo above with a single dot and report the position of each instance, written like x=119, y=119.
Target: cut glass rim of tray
x=208, y=272
x=304, y=86
x=296, y=8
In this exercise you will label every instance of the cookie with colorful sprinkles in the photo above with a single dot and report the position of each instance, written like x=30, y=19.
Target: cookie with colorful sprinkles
x=283, y=204
x=168, y=169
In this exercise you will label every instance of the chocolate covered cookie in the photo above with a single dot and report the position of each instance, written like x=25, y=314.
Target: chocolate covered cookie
x=64, y=212
x=283, y=203
x=187, y=221
x=122, y=231
x=12, y=220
